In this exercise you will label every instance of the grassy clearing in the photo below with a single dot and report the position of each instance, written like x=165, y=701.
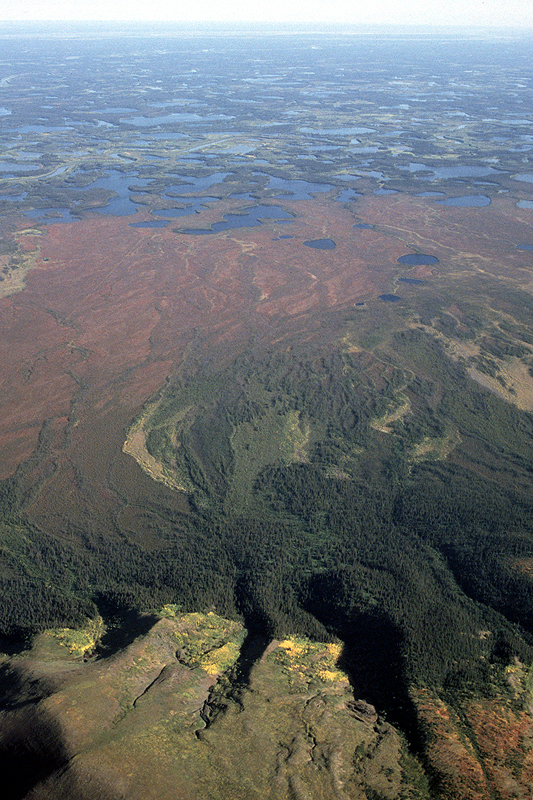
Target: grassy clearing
x=308, y=664
x=81, y=640
x=207, y=641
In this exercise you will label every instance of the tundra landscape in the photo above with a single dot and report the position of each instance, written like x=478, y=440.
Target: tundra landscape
x=266, y=309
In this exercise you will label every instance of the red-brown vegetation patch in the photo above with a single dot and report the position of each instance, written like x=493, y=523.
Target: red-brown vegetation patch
x=462, y=238
x=524, y=566
x=504, y=740
x=102, y=322
x=109, y=310
x=449, y=751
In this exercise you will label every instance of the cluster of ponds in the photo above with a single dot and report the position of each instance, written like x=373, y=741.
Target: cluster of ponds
x=411, y=260
x=124, y=184
x=183, y=202
x=187, y=203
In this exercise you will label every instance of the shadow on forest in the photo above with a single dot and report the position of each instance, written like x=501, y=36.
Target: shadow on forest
x=372, y=657
x=123, y=626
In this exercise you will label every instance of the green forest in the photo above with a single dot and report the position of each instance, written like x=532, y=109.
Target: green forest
x=381, y=499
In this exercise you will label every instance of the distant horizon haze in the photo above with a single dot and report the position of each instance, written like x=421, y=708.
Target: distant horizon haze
x=477, y=13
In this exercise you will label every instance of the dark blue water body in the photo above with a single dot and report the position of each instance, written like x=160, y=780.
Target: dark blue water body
x=193, y=205
x=27, y=154
x=13, y=197
x=298, y=190
x=58, y=215
x=285, y=236
x=385, y=191
x=414, y=281
x=153, y=223
x=337, y=131
x=247, y=219
x=322, y=147
x=363, y=150
x=13, y=166
x=42, y=128
x=364, y=226
x=197, y=184
x=390, y=298
x=347, y=195
x=347, y=177
x=118, y=110
x=119, y=182
x=524, y=246
x=321, y=244
x=467, y=201
x=444, y=173
x=417, y=259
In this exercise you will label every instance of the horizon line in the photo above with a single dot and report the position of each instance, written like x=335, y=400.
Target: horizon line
x=272, y=23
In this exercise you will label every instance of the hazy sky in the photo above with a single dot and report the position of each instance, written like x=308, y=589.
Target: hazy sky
x=501, y=13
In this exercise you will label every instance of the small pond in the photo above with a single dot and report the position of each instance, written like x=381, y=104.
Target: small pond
x=51, y=215
x=321, y=244
x=417, y=259
x=298, y=190
x=197, y=184
x=246, y=219
x=193, y=205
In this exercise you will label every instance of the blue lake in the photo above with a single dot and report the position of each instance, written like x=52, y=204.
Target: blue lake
x=247, y=219
x=321, y=244
x=346, y=195
x=298, y=190
x=443, y=173
x=13, y=197
x=193, y=205
x=417, y=259
x=390, y=298
x=12, y=166
x=119, y=182
x=56, y=215
x=197, y=184
x=338, y=131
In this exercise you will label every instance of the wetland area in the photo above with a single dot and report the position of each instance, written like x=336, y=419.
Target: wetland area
x=266, y=443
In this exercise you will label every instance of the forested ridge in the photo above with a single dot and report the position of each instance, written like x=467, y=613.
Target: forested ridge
x=332, y=493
